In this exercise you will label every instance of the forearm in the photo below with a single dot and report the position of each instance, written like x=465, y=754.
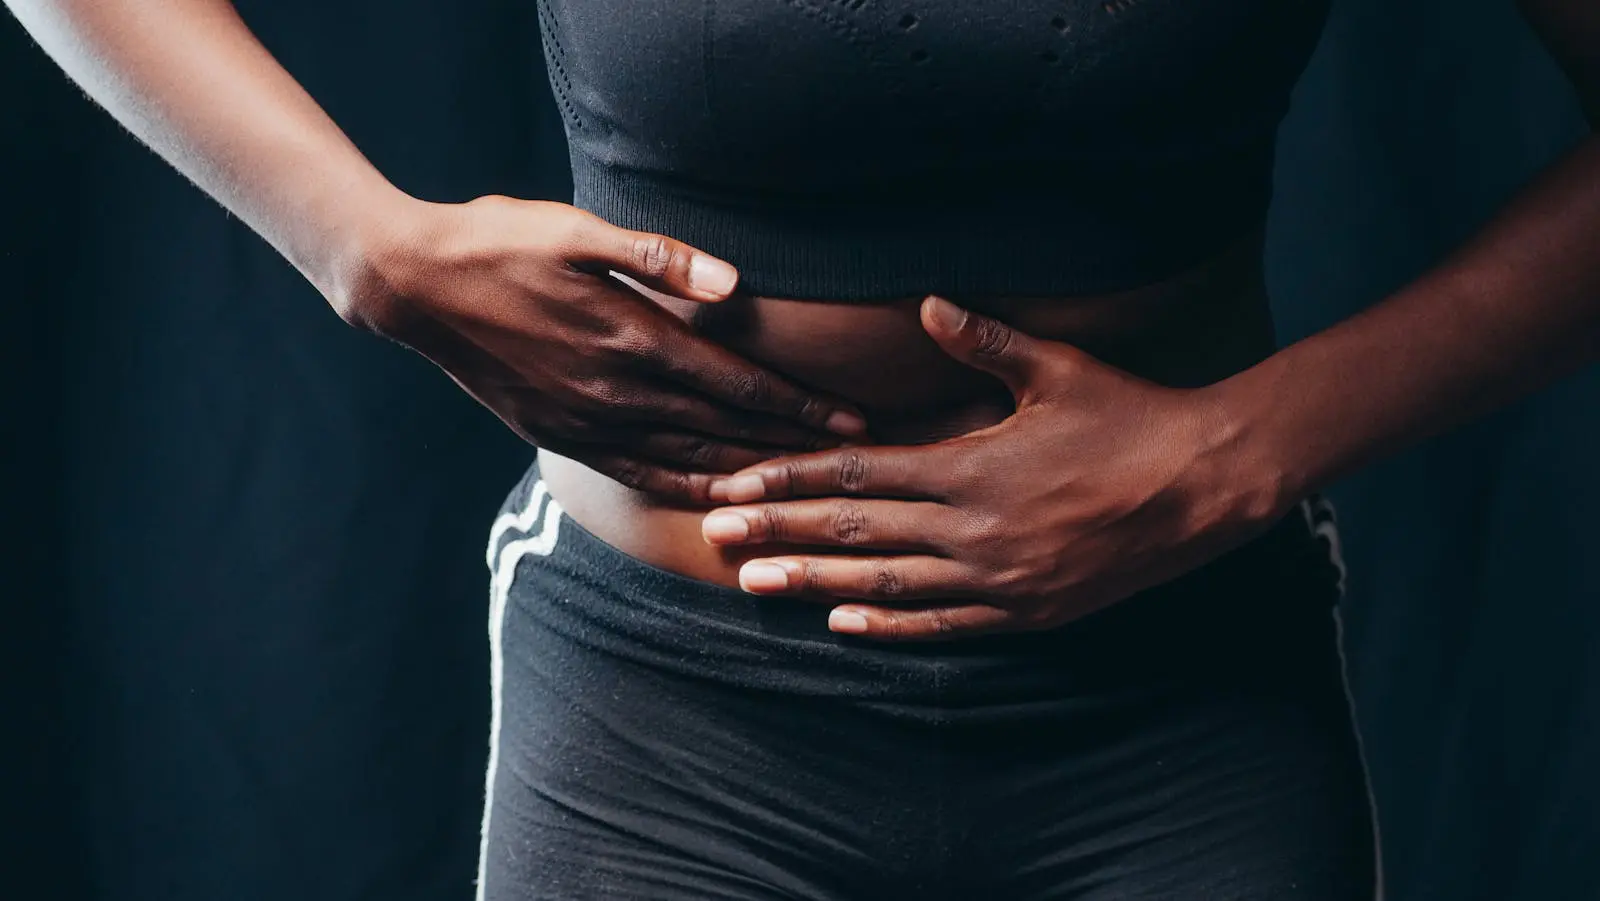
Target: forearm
x=1513, y=310
x=188, y=79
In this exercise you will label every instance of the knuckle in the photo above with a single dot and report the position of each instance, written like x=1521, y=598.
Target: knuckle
x=998, y=582
x=1067, y=359
x=786, y=478
x=568, y=234
x=597, y=395
x=665, y=482
x=886, y=583
x=964, y=469
x=677, y=484
x=942, y=623
x=811, y=411
x=773, y=524
x=753, y=388
x=812, y=578
x=991, y=337
x=630, y=340
x=665, y=410
x=493, y=204
x=629, y=472
x=651, y=255
x=851, y=473
x=848, y=524
x=983, y=530
x=700, y=451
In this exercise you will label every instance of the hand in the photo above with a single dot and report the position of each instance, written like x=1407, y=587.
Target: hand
x=1100, y=485
x=517, y=302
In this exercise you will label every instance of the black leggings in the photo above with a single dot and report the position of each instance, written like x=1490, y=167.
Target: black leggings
x=658, y=738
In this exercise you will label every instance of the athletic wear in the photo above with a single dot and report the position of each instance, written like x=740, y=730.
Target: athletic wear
x=658, y=738
x=859, y=149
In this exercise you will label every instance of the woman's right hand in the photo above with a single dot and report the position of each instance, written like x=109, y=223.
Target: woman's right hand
x=517, y=302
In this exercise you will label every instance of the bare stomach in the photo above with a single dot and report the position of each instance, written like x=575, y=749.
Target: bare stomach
x=1195, y=329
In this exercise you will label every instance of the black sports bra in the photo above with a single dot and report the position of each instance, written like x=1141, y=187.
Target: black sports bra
x=862, y=149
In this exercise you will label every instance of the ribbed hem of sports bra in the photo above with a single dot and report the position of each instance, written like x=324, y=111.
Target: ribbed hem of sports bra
x=882, y=254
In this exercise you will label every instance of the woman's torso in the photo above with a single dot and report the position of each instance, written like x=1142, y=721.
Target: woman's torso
x=1092, y=171
x=1193, y=330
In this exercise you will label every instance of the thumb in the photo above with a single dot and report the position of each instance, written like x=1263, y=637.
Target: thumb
x=984, y=343
x=656, y=261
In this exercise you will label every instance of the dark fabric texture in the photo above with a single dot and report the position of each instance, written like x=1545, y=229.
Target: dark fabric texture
x=241, y=541
x=665, y=739
x=1474, y=609
x=859, y=150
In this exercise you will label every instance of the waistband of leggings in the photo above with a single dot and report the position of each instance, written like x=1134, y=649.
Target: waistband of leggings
x=1287, y=559
x=1252, y=603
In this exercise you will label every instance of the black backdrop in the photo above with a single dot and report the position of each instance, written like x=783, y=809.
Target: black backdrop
x=244, y=585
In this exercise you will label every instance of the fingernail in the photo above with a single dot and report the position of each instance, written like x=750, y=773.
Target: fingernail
x=738, y=490
x=763, y=577
x=947, y=315
x=847, y=621
x=725, y=527
x=843, y=422
x=711, y=275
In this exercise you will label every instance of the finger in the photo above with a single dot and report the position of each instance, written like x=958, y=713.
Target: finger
x=644, y=475
x=657, y=344
x=723, y=375
x=683, y=430
x=700, y=453
x=881, y=525
x=985, y=343
x=662, y=263
x=684, y=411
x=908, y=578
x=904, y=472
x=928, y=624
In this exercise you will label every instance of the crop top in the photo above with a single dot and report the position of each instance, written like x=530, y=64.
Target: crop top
x=862, y=149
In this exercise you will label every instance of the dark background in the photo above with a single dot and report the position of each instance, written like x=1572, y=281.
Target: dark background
x=244, y=584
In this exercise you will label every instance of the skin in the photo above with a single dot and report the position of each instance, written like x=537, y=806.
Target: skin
x=519, y=302
x=1035, y=461
x=1103, y=483
x=1191, y=330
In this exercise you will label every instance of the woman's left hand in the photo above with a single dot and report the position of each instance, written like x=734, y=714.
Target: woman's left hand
x=1100, y=484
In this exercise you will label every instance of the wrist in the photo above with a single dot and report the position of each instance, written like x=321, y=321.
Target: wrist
x=373, y=259
x=1256, y=474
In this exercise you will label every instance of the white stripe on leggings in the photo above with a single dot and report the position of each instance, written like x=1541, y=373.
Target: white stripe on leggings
x=502, y=570
x=1323, y=520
